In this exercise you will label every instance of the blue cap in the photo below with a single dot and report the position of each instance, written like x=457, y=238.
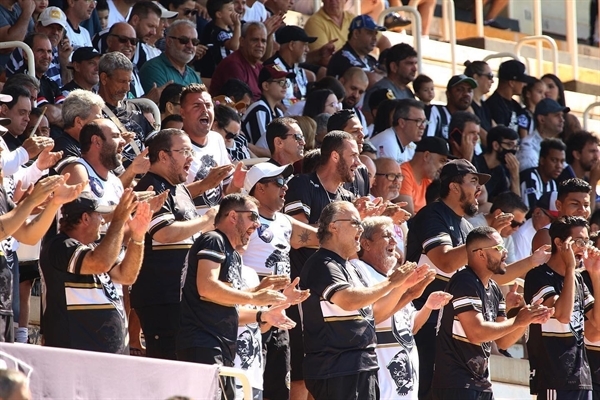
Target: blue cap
x=365, y=22
x=548, y=106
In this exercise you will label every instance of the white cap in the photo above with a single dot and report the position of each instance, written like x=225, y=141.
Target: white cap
x=53, y=15
x=3, y=123
x=265, y=170
x=5, y=98
x=164, y=13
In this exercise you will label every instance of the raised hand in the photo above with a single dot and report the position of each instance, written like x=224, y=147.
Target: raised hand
x=48, y=158
x=239, y=175
x=65, y=193
x=541, y=255
x=44, y=188
x=295, y=295
x=267, y=297
x=156, y=202
x=217, y=174
x=276, y=282
x=369, y=208
x=533, y=314
x=397, y=213
x=35, y=144
x=513, y=298
x=141, y=162
x=592, y=261
x=437, y=300
x=417, y=290
x=126, y=205
x=501, y=220
x=512, y=164
x=565, y=250
x=276, y=317
x=138, y=225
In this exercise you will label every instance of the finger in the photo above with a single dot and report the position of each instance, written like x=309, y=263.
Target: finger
x=514, y=287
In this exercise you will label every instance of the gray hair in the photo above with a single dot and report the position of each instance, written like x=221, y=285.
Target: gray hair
x=10, y=380
x=23, y=80
x=79, y=103
x=373, y=224
x=113, y=61
x=328, y=215
x=177, y=23
x=254, y=24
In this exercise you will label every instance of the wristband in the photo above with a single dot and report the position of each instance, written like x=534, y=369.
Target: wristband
x=140, y=243
x=259, y=318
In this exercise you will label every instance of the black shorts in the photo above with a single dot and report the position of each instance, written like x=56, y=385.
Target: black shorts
x=296, y=345
x=360, y=386
x=7, y=329
x=277, y=364
x=461, y=394
x=552, y=394
x=28, y=271
x=160, y=324
x=203, y=355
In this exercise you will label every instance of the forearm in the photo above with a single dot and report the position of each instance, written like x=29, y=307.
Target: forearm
x=595, y=313
x=511, y=338
x=126, y=273
x=182, y=230
x=563, y=306
x=355, y=298
x=231, y=188
x=14, y=219
x=18, y=31
x=234, y=43
x=490, y=331
x=515, y=270
x=221, y=293
x=303, y=235
x=12, y=160
x=103, y=257
x=127, y=177
x=196, y=188
x=420, y=318
x=450, y=260
x=386, y=306
x=268, y=48
x=515, y=185
x=32, y=232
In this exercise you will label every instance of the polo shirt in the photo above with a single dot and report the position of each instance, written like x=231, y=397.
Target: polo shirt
x=388, y=145
x=321, y=26
x=235, y=66
x=160, y=70
x=410, y=187
x=386, y=83
x=347, y=58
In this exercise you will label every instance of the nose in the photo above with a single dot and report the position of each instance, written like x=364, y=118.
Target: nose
x=393, y=240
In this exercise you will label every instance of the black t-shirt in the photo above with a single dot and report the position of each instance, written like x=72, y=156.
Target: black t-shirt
x=134, y=120
x=460, y=364
x=82, y=312
x=557, y=358
x=504, y=112
x=204, y=323
x=592, y=349
x=307, y=196
x=434, y=225
x=484, y=115
x=336, y=342
x=71, y=150
x=215, y=37
x=13, y=142
x=159, y=281
x=499, y=180
x=346, y=58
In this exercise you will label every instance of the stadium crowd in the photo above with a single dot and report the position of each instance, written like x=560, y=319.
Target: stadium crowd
x=303, y=211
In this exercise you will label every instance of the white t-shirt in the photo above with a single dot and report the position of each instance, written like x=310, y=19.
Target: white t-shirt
x=269, y=246
x=79, y=38
x=396, y=348
x=257, y=12
x=387, y=145
x=114, y=15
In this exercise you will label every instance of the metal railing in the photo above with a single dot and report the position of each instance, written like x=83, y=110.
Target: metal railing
x=449, y=20
x=508, y=54
x=571, y=19
x=241, y=375
x=416, y=29
x=586, y=114
x=540, y=59
x=26, y=49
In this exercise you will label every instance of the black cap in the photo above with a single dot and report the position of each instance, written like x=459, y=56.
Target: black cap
x=84, y=54
x=548, y=106
x=380, y=95
x=513, y=70
x=461, y=167
x=291, y=33
x=85, y=203
x=433, y=144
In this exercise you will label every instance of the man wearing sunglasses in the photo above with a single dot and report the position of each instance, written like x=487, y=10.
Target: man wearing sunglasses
x=285, y=140
x=476, y=317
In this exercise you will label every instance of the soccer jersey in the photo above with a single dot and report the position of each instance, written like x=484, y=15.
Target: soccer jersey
x=460, y=364
x=346, y=58
x=297, y=90
x=557, y=358
x=205, y=323
x=533, y=187
x=212, y=154
x=79, y=37
x=269, y=246
x=337, y=342
x=396, y=349
x=256, y=119
x=592, y=348
x=216, y=38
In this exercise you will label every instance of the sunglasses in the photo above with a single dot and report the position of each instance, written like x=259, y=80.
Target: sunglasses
x=500, y=248
x=516, y=224
x=391, y=177
x=353, y=221
x=229, y=135
x=184, y=40
x=297, y=136
x=189, y=11
x=125, y=39
x=253, y=214
x=279, y=181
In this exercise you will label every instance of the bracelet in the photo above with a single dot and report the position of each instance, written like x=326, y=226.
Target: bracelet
x=259, y=318
x=140, y=243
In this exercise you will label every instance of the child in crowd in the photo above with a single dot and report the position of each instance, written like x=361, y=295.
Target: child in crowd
x=222, y=34
x=102, y=10
x=532, y=94
x=40, y=5
x=424, y=90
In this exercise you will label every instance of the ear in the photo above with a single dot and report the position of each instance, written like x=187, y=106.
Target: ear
x=496, y=146
x=4, y=109
x=576, y=154
x=455, y=187
x=558, y=205
x=263, y=87
x=557, y=242
x=335, y=156
x=103, y=78
x=134, y=20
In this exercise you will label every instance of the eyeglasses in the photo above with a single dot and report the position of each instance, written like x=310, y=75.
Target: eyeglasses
x=253, y=214
x=284, y=83
x=500, y=248
x=420, y=122
x=353, y=221
x=189, y=11
x=229, y=135
x=186, y=152
x=490, y=76
x=125, y=39
x=583, y=243
x=184, y=40
x=516, y=224
x=299, y=137
x=279, y=181
x=391, y=177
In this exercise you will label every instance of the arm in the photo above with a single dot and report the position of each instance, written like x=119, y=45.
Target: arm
x=213, y=179
x=510, y=338
x=521, y=267
x=594, y=272
x=410, y=207
x=447, y=258
x=139, y=165
x=234, y=43
x=18, y=31
x=303, y=235
x=181, y=230
x=479, y=331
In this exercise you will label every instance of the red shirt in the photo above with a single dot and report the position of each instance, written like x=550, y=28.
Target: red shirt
x=235, y=66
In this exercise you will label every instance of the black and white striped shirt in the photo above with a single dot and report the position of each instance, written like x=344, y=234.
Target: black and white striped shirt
x=256, y=119
x=533, y=187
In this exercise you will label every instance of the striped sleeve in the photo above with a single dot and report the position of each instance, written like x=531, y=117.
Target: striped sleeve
x=160, y=219
x=543, y=293
x=256, y=121
x=466, y=303
x=440, y=239
x=76, y=260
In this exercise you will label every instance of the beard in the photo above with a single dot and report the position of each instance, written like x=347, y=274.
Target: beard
x=495, y=267
x=109, y=158
x=470, y=209
x=239, y=227
x=344, y=171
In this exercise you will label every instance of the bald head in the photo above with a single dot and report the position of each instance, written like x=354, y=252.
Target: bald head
x=122, y=38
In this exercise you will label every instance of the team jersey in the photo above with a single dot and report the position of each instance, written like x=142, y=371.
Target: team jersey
x=533, y=187
x=256, y=119
x=460, y=364
x=557, y=357
x=336, y=342
x=592, y=348
x=396, y=349
x=269, y=246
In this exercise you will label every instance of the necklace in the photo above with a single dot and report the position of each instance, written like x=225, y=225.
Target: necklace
x=326, y=191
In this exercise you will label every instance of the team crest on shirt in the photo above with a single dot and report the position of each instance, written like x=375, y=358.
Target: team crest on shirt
x=265, y=234
x=96, y=186
x=248, y=348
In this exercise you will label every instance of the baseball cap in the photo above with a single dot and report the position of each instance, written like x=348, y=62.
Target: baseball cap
x=269, y=72
x=292, y=33
x=378, y=96
x=86, y=202
x=3, y=123
x=265, y=170
x=433, y=144
x=53, y=15
x=84, y=54
x=461, y=167
x=548, y=203
x=513, y=70
x=5, y=98
x=548, y=106
x=456, y=79
x=365, y=22
x=164, y=13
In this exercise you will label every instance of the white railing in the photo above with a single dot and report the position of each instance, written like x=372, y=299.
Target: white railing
x=26, y=49
x=416, y=29
x=153, y=107
x=571, y=20
x=241, y=375
x=507, y=54
x=586, y=114
x=449, y=20
x=479, y=17
x=540, y=59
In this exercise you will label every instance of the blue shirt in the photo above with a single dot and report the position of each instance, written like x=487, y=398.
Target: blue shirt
x=10, y=17
x=159, y=70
